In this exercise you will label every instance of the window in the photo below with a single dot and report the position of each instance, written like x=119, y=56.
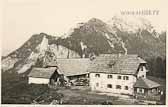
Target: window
x=109, y=86
x=153, y=90
x=118, y=86
x=109, y=76
x=141, y=68
x=126, y=78
x=97, y=75
x=119, y=77
x=97, y=84
x=126, y=87
x=141, y=90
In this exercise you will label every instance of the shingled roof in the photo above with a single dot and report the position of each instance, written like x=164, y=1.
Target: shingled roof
x=42, y=72
x=71, y=67
x=145, y=83
x=113, y=63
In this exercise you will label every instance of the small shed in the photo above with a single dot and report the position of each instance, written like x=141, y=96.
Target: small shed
x=146, y=87
x=42, y=75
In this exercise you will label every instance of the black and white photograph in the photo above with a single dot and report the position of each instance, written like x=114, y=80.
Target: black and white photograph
x=83, y=52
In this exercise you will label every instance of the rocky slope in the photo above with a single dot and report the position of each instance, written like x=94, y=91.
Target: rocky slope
x=35, y=49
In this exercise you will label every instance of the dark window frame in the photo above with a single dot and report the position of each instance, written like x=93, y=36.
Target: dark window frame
x=97, y=75
x=140, y=90
x=126, y=87
x=119, y=77
x=109, y=86
x=118, y=86
x=141, y=68
x=109, y=76
x=126, y=78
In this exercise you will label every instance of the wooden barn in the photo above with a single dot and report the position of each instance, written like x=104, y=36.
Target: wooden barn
x=72, y=69
x=42, y=75
x=67, y=69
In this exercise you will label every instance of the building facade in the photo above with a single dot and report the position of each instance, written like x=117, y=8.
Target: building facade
x=120, y=74
x=116, y=83
x=33, y=80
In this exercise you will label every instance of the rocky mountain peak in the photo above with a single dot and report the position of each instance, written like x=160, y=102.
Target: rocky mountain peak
x=130, y=24
x=96, y=21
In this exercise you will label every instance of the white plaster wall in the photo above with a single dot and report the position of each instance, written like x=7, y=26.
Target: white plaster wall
x=140, y=73
x=103, y=81
x=38, y=80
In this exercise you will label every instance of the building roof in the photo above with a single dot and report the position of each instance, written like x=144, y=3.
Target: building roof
x=113, y=63
x=42, y=72
x=71, y=67
x=161, y=81
x=145, y=83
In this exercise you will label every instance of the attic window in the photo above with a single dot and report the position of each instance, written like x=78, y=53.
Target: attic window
x=141, y=68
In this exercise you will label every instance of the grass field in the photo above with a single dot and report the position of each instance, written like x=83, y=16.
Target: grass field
x=86, y=96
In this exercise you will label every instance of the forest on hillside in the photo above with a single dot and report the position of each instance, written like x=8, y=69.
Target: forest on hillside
x=157, y=67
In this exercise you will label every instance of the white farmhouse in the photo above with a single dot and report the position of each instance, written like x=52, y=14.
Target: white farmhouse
x=122, y=74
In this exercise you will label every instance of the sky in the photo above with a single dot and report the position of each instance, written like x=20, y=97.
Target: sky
x=23, y=18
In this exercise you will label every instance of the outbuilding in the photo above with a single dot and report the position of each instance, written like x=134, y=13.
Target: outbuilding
x=146, y=88
x=42, y=75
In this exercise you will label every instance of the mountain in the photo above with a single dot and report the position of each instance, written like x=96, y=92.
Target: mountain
x=101, y=37
x=140, y=36
x=91, y=37
x=38, y=48
x=131, y=24
x=97, y=36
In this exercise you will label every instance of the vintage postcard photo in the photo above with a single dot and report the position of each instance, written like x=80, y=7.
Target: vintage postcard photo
x=83, y=52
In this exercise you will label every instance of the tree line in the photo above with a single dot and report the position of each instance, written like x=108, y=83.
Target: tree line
x=157, y=67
